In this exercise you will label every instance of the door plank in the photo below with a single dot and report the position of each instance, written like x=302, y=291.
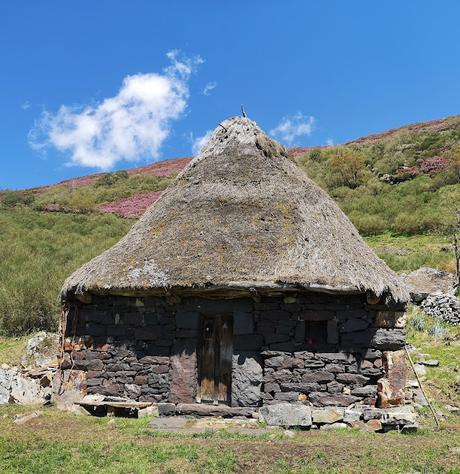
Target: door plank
x=215, y=365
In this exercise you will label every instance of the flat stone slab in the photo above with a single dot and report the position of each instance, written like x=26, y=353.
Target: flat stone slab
x=286, y=414
x=203, y=409
x=186, y=425
x=133, y=405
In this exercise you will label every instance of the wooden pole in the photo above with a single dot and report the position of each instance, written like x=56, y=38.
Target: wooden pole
x=438, y=426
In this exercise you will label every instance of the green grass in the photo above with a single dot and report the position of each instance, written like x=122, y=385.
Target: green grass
x=37, y=252
x=12, y=349
x=408, y=253
x=59, y=442
x=439, y=341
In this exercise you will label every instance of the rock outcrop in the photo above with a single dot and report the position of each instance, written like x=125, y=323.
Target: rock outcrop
x=33, y=383
x=24, y=388
x=41, y=351
x=429, y=281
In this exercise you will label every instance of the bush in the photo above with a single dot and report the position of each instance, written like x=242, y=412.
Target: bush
x=109, y=179
x=10, y=199
x=423, y=323
x=315, y=155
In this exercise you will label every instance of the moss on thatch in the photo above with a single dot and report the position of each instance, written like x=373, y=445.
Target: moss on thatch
x=241, y=215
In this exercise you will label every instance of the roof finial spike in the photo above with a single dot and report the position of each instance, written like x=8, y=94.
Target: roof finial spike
x=243, y=113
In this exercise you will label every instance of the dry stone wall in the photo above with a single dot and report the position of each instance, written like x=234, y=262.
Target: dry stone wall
x=146, y=348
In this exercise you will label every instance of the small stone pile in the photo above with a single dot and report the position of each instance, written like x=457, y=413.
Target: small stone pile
x=443, y=307
x=24, y=388
x=31, y=383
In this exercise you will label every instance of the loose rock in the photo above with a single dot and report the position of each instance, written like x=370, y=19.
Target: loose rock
x=21, y=419
x=41, y=351
x=286, y=414
x=327, y=415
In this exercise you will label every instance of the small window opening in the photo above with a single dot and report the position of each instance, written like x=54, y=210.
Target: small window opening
x=315, y=332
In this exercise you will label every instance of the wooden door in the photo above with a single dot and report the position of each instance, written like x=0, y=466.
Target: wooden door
x=215, y=358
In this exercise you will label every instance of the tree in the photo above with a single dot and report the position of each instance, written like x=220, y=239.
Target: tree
x=347, y=167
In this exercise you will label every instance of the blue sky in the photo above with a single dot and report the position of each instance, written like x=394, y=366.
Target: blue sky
x=88, y=85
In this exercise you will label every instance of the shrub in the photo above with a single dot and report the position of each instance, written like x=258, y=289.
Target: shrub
x=9, y=199
x=437, y=329
x=315, y=155
x=109, y=179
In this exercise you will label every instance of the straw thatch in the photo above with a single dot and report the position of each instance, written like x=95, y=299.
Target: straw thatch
x=241, y=215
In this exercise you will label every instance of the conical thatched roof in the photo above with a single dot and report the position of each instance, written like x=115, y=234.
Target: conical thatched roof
x=240, y=215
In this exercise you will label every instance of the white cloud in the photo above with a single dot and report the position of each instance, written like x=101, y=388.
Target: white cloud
x=209, y=87
x=292, y=127
x=25, y=105
x=131, y=125
x=199, y=142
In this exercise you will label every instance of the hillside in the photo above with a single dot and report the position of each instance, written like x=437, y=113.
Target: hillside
x=400, y=188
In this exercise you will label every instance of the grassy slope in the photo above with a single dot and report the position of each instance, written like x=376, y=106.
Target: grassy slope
x=435, y=340
x=38, y=251
x=407, y=253
x=427, y=162
x=12, y=349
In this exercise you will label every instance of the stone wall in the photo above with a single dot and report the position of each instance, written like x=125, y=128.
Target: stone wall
x=145, y=348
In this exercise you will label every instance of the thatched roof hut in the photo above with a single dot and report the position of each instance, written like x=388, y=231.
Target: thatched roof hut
x=241, y=216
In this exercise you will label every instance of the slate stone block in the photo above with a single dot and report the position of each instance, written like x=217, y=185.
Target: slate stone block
x=327, y=399
x=352, y=379
x=354, y=324
x=94, y=329
x=187, y=319
x=276, y=337
x=389, y=339
x=272, y=387
x=166, y=409
x=183, y=372
x=248, y=342
x=278, y=376
x=243, y=323
x=300, y=387
x=335, y=368
x=247, y=378
x=154, y=359
x=334, y=387
x=341, y=357
x=147, y=333
x=366, y=391
x=317, y=376
x=287, y=396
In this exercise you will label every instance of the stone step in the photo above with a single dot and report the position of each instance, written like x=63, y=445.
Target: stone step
x=204, y=409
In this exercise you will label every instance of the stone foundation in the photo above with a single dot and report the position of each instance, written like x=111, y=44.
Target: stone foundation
x=145, y=349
